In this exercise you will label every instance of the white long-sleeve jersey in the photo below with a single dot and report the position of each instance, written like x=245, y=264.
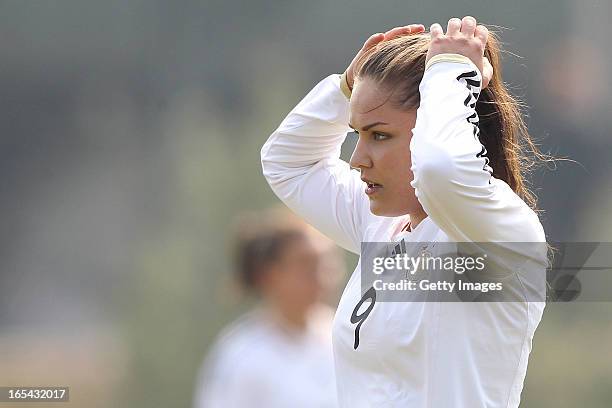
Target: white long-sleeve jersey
x=414, y=354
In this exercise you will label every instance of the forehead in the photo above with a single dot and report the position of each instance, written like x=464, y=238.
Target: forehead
x=370, y=103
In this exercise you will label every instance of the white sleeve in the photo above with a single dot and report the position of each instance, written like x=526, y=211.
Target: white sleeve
x=301, y=162
x=452, y=179
x=224, y=382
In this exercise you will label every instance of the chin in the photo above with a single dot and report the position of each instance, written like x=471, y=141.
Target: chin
x=379, y=208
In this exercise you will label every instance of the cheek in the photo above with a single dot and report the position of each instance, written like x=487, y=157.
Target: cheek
x=395, y=166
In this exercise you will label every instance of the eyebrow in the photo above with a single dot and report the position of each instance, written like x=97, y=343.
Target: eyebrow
x=366, y=128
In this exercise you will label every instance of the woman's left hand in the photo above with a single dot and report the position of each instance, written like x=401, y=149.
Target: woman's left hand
x=462, y=37
x=378, y=38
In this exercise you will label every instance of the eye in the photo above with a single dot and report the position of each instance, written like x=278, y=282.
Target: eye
x=379, y=136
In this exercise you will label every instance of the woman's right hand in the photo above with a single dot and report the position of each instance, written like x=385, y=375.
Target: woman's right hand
x=378, y=38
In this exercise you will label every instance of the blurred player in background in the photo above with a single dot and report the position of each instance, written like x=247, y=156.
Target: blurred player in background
x=279, y=354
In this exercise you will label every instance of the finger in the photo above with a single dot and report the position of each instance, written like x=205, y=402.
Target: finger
x=482, y=32
x=416, y=28
x=453, y=27
x=373, y=40
x=468, y=25
x=404, y=30
x=435, y=31
x=396, y=32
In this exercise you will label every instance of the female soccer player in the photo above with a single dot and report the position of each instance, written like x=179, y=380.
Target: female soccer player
x=429, y=171
x=279, y=354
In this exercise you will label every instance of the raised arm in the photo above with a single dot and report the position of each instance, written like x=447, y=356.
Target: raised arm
x=452, y=179
x=301, y=159
x=301, y=162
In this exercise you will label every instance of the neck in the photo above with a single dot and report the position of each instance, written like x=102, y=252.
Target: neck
x=288, y=318
x=416, y=217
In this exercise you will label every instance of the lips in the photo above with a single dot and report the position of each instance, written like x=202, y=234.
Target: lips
x=370, y=182
x=371, y=186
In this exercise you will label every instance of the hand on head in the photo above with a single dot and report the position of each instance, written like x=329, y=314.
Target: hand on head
x=378, y=38
x=463, y=37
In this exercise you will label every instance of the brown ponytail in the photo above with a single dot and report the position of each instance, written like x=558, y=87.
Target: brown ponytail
x=398, y=65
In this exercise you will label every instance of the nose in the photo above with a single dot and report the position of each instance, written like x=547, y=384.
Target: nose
x=360, y=157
